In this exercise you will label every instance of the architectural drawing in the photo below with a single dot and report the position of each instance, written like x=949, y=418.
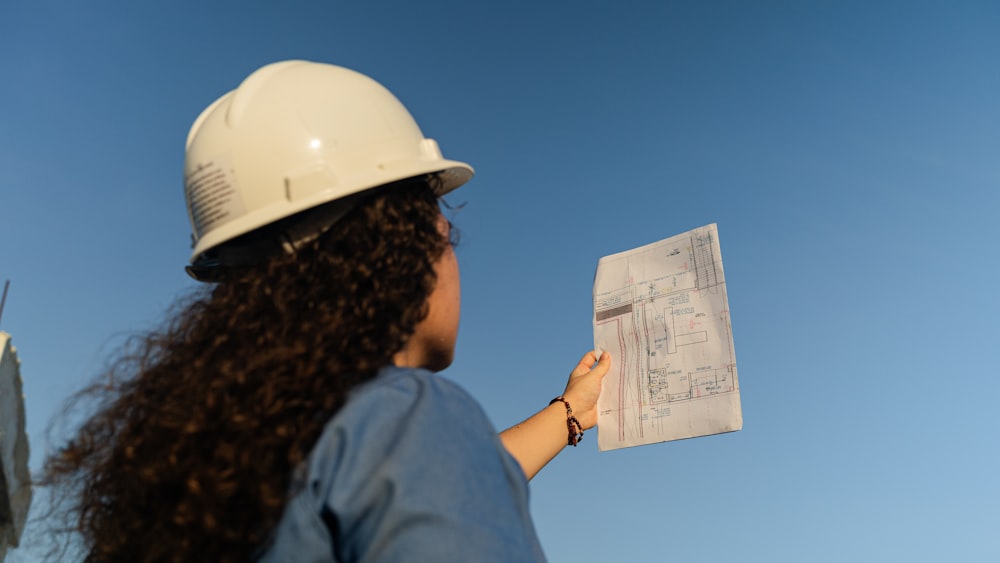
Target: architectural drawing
x=662, y=312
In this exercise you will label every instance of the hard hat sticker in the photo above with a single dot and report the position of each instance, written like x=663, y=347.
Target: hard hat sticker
x=213, y=197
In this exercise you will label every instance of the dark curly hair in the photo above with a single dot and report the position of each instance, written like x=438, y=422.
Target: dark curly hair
x=199, y=427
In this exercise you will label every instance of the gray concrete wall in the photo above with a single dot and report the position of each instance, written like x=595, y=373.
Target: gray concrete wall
x=15, y=480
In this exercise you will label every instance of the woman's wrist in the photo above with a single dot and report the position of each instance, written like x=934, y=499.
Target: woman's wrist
x=573, y=427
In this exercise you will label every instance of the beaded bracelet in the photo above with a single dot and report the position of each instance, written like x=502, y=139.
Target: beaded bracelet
x=572, y=424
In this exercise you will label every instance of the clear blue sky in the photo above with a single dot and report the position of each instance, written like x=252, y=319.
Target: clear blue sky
x=849, y=152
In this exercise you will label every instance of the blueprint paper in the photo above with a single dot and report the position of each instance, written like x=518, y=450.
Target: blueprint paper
x=661, y=311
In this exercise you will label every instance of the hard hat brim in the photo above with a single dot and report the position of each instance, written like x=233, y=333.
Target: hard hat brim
x=452, y=176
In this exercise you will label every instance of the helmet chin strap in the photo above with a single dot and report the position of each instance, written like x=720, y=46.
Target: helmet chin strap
x=315, y=222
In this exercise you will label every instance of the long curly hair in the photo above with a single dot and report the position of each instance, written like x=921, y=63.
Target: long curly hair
x=199, y=427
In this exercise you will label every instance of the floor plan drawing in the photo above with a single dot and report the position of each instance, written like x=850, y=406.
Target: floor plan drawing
x=662, y=312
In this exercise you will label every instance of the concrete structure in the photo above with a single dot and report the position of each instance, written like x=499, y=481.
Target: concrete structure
x=15, y=481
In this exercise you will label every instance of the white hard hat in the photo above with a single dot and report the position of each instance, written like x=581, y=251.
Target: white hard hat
x=293, y=136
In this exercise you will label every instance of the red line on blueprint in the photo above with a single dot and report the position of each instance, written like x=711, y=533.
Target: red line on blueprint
x=621, y=376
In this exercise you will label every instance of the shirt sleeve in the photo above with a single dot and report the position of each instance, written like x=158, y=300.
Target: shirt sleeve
x=412, y=470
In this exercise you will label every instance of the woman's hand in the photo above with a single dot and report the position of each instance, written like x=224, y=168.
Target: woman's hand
x=584, y=386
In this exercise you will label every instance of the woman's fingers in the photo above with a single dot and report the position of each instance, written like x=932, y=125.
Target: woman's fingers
x=585, y=365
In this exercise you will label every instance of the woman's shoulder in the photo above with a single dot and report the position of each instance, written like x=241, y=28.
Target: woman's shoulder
x=408, y=386
x=421, y=405
x=402, y=411
x=404, y=425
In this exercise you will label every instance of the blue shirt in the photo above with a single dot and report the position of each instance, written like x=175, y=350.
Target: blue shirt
x=410, y=469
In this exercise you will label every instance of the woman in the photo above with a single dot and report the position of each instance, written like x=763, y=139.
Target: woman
x=290, y=412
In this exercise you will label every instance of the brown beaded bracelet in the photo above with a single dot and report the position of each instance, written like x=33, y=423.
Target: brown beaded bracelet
x=572, y=424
